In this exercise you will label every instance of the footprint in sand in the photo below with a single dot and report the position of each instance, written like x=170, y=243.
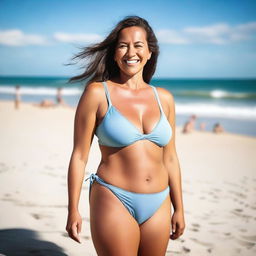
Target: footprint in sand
x=243, y=216
x=209, y=250
x=238, y=194
x=217, y=223
x=195, y=227
x=171, y=253
x=40, y=216
x=217, y=190
x=50, y=174
x=86, y=237
x=4, y=169
x=185, y=249
x=249, y=238
x=201, y=242
x=7, y=197
x=65, y=234
x=230, y=183
x=244, y=243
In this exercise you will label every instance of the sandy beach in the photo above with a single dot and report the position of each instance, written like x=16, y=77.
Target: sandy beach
x=218, y=174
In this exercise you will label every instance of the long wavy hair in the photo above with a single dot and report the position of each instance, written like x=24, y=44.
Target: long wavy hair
x=101, y=65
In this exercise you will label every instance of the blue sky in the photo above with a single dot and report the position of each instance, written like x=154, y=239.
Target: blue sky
x=196, y=38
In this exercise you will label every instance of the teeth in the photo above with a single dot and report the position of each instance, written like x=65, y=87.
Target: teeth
x=132, y=61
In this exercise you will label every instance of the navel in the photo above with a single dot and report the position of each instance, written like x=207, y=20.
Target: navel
x=148, y=179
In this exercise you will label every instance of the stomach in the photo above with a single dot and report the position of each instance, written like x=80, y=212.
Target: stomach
x=137, y=168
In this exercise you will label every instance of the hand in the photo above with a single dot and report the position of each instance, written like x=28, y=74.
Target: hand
x=74, y=225
x=178, y=224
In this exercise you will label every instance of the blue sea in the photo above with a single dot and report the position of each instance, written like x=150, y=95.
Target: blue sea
x=230, y=102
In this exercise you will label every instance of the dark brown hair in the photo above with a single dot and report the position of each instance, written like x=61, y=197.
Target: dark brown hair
x=101, y=65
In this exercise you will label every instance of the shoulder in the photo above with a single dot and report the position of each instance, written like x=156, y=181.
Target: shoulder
x=94, y=88
x=165, y=95
x=92, y=91
x=91, y=96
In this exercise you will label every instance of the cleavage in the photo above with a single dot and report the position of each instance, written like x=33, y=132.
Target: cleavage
x=129, y=106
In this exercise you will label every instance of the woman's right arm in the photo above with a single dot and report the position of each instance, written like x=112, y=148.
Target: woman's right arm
x=84, y=126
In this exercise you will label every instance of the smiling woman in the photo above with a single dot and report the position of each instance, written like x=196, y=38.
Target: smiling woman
x=139, y=175
x=129, y=46
x=103, y=65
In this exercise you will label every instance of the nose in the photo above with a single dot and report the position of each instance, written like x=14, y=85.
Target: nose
x=131, y=51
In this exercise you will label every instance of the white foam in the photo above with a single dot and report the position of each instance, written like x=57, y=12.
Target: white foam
x=226, y=94
x=216, y=110
x=203, y=109
x=39, y=90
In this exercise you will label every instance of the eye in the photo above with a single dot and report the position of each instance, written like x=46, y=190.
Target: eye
x=121, y=46
x=138, y=45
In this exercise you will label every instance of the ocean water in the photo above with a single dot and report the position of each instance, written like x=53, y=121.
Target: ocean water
x=231, y=102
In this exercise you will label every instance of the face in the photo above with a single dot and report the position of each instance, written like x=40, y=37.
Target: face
x=132, y=53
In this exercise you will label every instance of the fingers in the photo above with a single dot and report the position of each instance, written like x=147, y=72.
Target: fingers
x=79, y=227
x=176, y=231
x=73, y=231
x=173, y=227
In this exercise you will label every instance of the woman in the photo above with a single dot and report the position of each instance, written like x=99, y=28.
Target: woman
x=139, y=175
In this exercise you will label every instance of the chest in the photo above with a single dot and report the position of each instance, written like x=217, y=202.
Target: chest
x=140, y=109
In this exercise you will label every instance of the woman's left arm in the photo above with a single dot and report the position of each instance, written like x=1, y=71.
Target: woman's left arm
x=172, y=165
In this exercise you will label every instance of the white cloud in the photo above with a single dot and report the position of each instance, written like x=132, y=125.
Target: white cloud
x=16, y=37
x=76, y=38
x=248, y=27
x=215, y=34
x=220, y=33
x=169, y=36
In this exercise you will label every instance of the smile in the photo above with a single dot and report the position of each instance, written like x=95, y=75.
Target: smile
x=131, y=62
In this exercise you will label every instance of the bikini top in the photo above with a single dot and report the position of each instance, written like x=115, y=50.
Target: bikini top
x=115, y=130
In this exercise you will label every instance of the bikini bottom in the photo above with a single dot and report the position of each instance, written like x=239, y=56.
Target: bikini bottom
x=140, y=205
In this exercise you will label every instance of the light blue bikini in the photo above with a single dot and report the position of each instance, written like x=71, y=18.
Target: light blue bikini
x=117, y=131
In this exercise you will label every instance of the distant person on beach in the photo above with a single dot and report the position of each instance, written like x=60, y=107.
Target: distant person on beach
x=59, y=98
x=189, y=126
x=17, y=100
x=217, y=128
x=50, y=103
x=47, y=103
x=202, y=126
x=138, y=177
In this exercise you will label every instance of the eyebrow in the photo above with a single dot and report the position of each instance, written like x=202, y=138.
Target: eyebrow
x=135, y=42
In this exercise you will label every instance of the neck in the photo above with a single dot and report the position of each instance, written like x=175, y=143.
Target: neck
x=134, y=82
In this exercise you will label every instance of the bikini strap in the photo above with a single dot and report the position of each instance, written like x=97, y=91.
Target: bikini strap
x=107, y=93
x=157, y=97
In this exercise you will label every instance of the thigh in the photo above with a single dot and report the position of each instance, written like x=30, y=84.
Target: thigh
x=114, y=231
x=155, y=232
